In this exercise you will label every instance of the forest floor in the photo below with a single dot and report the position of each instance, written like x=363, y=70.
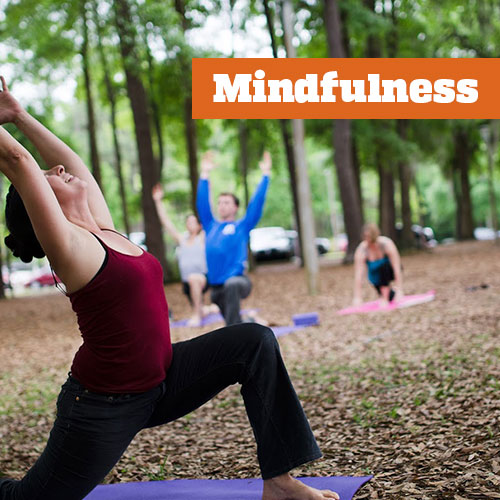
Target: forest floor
x=411, y=396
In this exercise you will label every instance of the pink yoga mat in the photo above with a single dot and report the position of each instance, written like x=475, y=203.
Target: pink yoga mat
x=215, y=489
x=375, y=306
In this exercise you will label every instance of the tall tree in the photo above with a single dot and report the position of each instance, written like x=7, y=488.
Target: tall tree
x=112, y=98
x=91, y=125
x=405, y=178
x=189, y=123
x=462, y=156
x=153, y=102
x=490, y=134
x=349, y=193
x=310, y=254
x=387, y=208
x=139, y=103
x=285, y=133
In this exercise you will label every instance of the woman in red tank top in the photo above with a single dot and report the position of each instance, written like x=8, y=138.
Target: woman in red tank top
x=127, y=375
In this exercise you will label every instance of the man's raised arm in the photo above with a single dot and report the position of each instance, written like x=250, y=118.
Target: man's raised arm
x=256, y=205
x=203, y=192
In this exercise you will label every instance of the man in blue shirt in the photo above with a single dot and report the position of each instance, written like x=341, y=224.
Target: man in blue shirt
x=227, y=239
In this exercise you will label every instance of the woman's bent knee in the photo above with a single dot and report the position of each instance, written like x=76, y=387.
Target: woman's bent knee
x=253, y=333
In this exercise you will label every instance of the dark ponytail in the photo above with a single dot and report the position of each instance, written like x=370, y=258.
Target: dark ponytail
x=22, y=240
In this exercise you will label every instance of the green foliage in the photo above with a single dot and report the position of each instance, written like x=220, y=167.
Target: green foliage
x=43, y=41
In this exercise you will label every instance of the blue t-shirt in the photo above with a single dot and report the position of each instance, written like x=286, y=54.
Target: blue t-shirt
x=226, y=242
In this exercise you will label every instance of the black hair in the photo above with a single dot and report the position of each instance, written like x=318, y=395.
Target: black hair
x=22, y=240
x=233, y=196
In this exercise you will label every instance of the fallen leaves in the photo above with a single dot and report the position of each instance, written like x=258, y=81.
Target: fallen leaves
x=411, y=396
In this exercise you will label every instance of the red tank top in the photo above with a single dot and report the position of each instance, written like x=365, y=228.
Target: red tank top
x=123, y=318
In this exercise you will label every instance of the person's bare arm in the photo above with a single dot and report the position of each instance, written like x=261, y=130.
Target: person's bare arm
x=162, y=214
x=54, y=232
x=55, y=152
x=207, y=164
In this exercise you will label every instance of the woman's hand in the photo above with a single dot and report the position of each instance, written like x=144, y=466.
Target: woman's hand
x=9, y=107
x=157, y=192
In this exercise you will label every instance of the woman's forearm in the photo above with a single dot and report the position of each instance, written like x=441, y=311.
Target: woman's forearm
x=11, y=154
x=166, y=222
x=51, y=148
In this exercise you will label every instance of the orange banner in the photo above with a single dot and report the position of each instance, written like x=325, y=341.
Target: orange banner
x=346, y=88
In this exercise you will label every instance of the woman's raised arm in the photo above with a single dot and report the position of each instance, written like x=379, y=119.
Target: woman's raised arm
x=52, y=229
x=55, y=152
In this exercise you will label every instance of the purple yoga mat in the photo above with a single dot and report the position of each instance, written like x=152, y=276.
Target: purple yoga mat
x=283, y=330
x=209, y=319
x=215, y=489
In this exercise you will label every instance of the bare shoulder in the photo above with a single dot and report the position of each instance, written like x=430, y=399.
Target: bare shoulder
x=81, y=261
x=387, y=244
x=360, y=250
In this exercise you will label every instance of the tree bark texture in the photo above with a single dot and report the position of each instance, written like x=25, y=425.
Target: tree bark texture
x=461, y=165
x=111, y=94
x=155, y=109
x=189, y=123
x=310, y=253
x=91, y=126
x=405, y=178
x=287, y=140
x=387, y=209
x=342, y=144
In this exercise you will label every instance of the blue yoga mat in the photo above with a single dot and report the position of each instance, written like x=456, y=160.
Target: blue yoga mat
x=213, y=489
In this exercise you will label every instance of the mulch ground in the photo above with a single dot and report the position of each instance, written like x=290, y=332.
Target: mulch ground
x=411, y=396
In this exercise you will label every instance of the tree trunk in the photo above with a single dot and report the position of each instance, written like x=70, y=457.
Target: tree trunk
x=405, y=184
x=287, y=140
x=94, y=152
x=492, y=151
x=139, y=103
x=387, y=209
x=349, y=190
x=310, y=254
x=189, y=123
x=462, y=157
x=243, y=140
x=111, y=94
x=155, y=109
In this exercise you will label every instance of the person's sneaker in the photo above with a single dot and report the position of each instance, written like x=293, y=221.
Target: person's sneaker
x=253, y=318
x=195, y=321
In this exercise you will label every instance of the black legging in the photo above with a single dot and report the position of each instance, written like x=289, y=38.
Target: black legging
x=92, y=431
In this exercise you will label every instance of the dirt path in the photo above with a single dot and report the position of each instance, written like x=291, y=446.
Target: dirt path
x=411, y=396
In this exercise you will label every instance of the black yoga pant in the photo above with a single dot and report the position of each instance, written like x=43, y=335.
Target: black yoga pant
x=229, y=295
x=386, y=275
x=92, y=431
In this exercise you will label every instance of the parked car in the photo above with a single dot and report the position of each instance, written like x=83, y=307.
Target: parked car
x=341, y=242
x=42, y=277
x=485, y=233
x=5, y=276
x=322, y=244
x=423, y=236
x=18, y=273
x=267, y=243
